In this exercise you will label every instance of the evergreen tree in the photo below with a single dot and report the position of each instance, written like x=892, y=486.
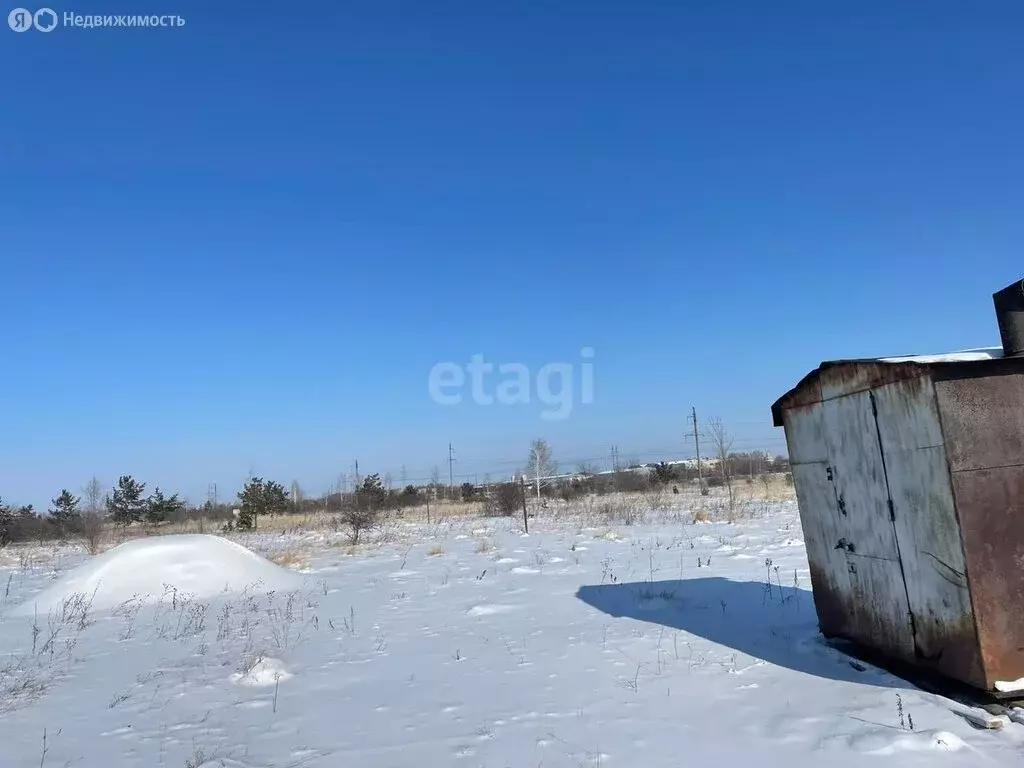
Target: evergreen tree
x=251, y=502
x=275, y=498
x=260, y=497
x=371, y=493
x=6, y=522
x=663, y=473
x=64, y=511
x=126, y=505
x=160, y=508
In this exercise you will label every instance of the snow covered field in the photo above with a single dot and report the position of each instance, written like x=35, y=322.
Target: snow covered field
x=467, y=644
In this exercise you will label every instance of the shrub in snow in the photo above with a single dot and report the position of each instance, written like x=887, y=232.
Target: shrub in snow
x=505, y=499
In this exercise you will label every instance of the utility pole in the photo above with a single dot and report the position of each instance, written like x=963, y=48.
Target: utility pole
x=696, y=446
x=451, y=471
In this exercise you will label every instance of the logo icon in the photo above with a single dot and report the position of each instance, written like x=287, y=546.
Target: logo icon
x=45, y=20
x=20, y=20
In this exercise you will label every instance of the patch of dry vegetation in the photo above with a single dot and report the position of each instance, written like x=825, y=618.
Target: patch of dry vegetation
x=290, y=558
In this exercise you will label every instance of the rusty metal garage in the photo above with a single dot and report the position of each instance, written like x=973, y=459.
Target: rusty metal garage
x=909, y=474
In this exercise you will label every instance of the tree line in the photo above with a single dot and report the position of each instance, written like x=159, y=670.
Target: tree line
x=359, y=510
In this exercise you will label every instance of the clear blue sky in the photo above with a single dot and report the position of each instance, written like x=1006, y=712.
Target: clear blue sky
x=243, y=244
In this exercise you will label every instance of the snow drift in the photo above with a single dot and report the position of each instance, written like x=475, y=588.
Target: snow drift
x=200, y=565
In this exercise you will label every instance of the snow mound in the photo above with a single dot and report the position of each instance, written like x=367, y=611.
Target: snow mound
x=263, y=673
x=200, y=565
x=920, y=741
x=489, y=610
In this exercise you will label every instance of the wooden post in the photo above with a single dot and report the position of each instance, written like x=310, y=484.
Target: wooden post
x=522, y=491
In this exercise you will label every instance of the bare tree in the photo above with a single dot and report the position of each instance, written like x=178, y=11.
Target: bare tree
x=92, y=530
x=722, y=442
x=93, y=492
x=297, y=496
x=435, y=480
x=541, y=464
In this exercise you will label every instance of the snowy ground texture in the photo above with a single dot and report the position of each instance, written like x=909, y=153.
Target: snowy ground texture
x=469, y=644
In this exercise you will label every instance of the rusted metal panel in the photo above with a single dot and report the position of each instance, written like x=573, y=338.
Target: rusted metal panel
x=990, y=503
x=830, y=581
x=983, y=421
x=851, y=546
x=881, y=614
x=849, y=378
x=805, y=434
x=806, y=392
x=837, y=379
x=927, y=529
x=983, y=427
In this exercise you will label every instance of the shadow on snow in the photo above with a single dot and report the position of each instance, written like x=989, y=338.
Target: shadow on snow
x=776, y=624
